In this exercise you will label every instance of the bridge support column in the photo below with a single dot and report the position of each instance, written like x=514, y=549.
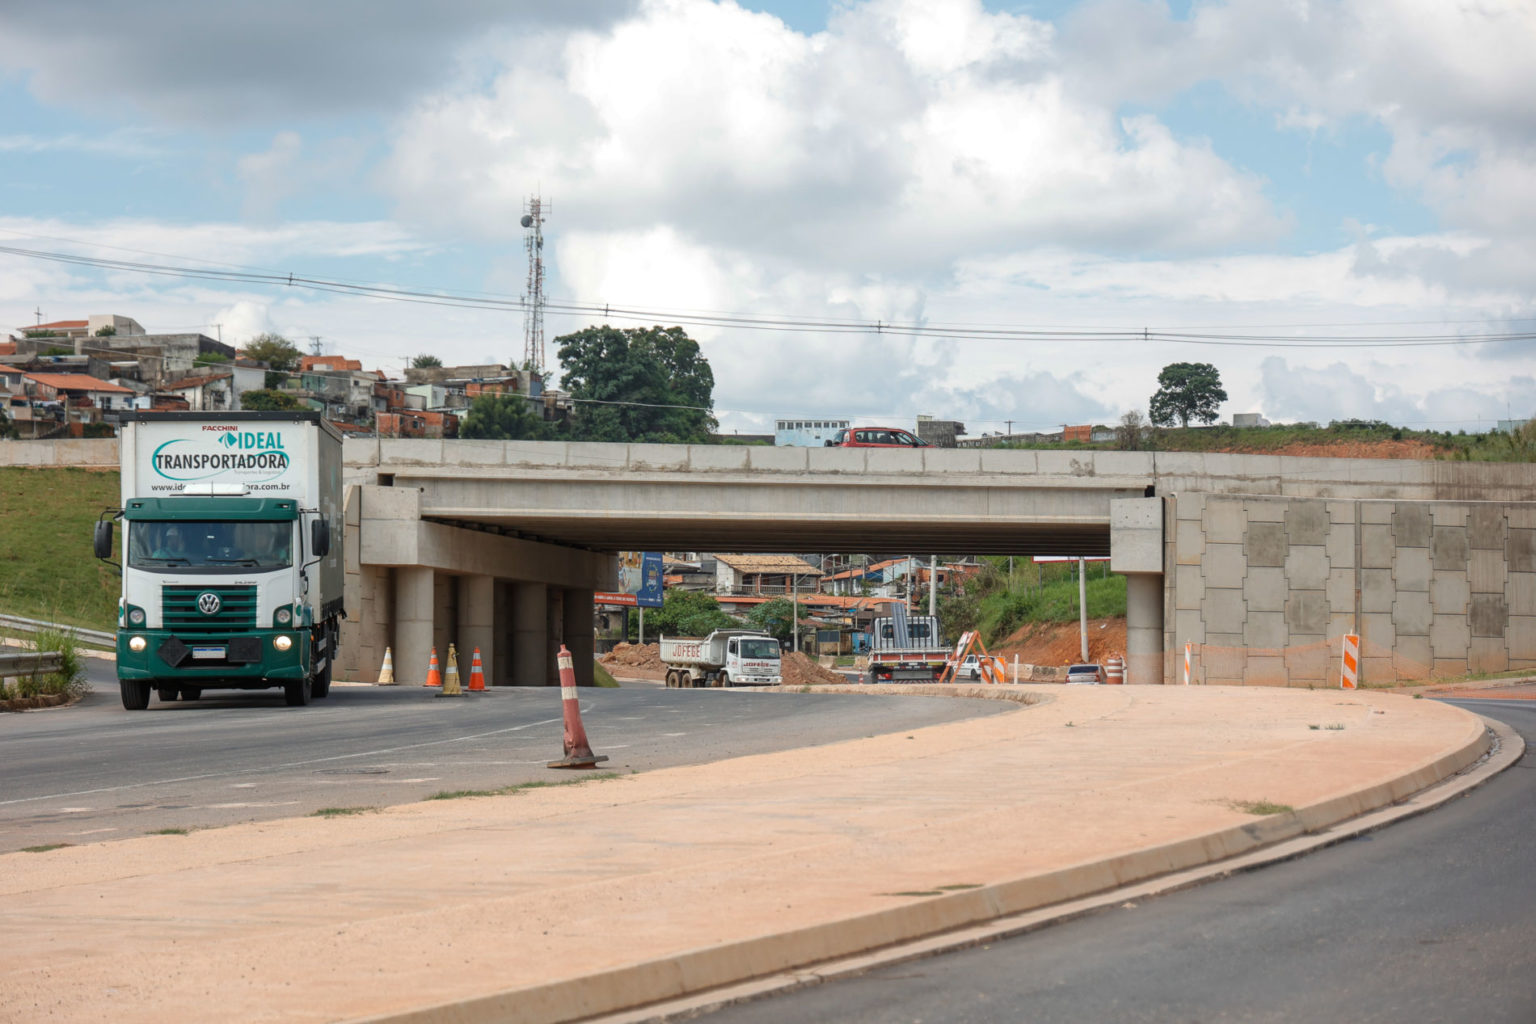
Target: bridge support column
x=554, y=632
x=477, y=623
x=415, y=613
x=530, y=655
x=580, y=639
x=1144, y=627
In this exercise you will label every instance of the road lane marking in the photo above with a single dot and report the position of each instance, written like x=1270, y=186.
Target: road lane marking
x=279, y=767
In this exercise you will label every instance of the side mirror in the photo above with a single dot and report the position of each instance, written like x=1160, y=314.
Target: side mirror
x=101, y=543
x=320, y=538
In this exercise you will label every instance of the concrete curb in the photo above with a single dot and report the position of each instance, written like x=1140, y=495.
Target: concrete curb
x=789, y=955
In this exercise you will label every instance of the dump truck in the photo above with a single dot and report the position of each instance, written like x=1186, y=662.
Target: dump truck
x=232, y=563
x=727, y=657
x=906, y=648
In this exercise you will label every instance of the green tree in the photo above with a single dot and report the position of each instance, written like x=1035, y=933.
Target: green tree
x=1187, y=391
x=684, y=613
x=776, y=617
x=209, y=358
x=425, y=360
x=269, y=401
x=506, y=418
x=638, y=384
x=280, y=355
x=106, y=332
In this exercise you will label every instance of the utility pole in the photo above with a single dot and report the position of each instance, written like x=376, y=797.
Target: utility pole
x=314, y=345
x=933, y=584
x=1082, y=605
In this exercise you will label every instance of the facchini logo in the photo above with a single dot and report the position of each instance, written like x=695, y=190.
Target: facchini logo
x=249, y=455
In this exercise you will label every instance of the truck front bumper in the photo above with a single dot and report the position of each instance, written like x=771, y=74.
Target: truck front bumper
x=245, y=659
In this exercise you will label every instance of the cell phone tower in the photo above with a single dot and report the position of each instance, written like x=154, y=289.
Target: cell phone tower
x=533, y=314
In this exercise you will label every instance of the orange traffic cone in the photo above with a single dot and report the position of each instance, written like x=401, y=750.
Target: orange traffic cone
x=434, y=677
x=578, y=753
x=476, y=674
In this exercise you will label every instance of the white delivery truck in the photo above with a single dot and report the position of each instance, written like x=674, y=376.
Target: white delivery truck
x=727, y=657
x=232, y=563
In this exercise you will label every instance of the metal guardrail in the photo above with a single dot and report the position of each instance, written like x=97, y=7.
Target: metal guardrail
x=30, y=663
x=15, y=623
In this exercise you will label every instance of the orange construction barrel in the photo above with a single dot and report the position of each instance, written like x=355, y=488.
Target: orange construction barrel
x=1114, y=670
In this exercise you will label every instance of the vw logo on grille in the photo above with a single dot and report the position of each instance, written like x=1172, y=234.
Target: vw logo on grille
x=208, y=603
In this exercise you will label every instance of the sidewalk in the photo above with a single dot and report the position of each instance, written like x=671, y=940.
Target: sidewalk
x=566, y=902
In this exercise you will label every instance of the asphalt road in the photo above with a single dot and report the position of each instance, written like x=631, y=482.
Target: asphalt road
x=1430, y=920
x=96, y=772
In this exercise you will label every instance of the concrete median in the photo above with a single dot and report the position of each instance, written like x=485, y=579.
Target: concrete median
x=569, y=902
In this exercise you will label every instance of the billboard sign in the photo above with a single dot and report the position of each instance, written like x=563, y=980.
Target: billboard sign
x=640, y=581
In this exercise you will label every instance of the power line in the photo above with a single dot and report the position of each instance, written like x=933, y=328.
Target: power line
x=742, y=321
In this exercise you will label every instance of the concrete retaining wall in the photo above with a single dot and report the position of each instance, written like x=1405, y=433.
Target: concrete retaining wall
x=1266, y=588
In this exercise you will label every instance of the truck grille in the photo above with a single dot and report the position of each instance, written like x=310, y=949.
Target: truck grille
x=180, y=611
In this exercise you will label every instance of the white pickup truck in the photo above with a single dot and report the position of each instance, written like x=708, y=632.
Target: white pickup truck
x=727, y=657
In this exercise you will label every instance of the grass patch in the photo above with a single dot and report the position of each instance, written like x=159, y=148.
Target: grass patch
x=45, y=847
x=1260, y=807
x=601, y=677
x=339, y=812
x=914, y=892
x=69, y=681
x=1335, y=727
x=961, y=885
x=169, y=832
x=46, y=568
x=464, y=794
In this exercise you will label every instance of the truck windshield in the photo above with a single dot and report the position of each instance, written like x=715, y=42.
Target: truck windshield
x=209, y=546
x=760, y=649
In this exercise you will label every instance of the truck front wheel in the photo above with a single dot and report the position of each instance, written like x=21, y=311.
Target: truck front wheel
x=167, y=693
x=723, y=680
x=135, y=693
x=299, y=692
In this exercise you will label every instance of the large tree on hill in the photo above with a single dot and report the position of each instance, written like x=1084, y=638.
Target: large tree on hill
x=506, y=418
x=637, y=384
x=1187, y=391
x=280, y=355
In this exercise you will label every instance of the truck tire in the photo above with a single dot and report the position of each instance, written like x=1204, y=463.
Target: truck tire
x=191, y=693
x=722, y=680
x=671, y=678
x=167, y=693
x=322, y=683
x=135, y=693
x=299, y=692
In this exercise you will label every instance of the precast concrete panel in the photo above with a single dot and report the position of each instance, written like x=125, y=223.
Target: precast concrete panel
x=1448, y=548
x=1449, y=592
x=1485, y=526
x=1411, y=568
x=1412, y=613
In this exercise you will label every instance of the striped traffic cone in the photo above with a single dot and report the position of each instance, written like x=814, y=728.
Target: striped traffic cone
x=434, y=677
x=578, y=752
x=451, y=687
x=476, y=674
x=387, y=670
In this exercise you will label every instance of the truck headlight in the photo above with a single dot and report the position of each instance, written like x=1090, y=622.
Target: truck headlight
x=282, y=643
x=137, y=643
x=136, y=617
x=283, y=616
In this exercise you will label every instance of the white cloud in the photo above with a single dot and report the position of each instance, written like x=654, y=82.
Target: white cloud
x=738, y=132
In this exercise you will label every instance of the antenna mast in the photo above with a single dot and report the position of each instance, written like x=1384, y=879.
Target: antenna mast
x=533, y=314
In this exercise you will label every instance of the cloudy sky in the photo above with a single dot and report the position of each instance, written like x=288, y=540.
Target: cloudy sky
x=1006, y=188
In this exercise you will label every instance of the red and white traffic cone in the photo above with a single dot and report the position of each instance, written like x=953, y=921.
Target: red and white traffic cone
x=578, y=753
x=434, y=677
x=476, y=674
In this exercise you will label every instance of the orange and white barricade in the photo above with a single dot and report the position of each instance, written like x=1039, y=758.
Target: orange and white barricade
x=1349, y=675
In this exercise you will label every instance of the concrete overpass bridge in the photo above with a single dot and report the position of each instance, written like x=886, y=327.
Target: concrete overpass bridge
x=1262, y=562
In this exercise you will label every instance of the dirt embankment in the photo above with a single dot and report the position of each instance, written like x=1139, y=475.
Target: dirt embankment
x=1058, y=643
x=643, y=661
x=1348, y=449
